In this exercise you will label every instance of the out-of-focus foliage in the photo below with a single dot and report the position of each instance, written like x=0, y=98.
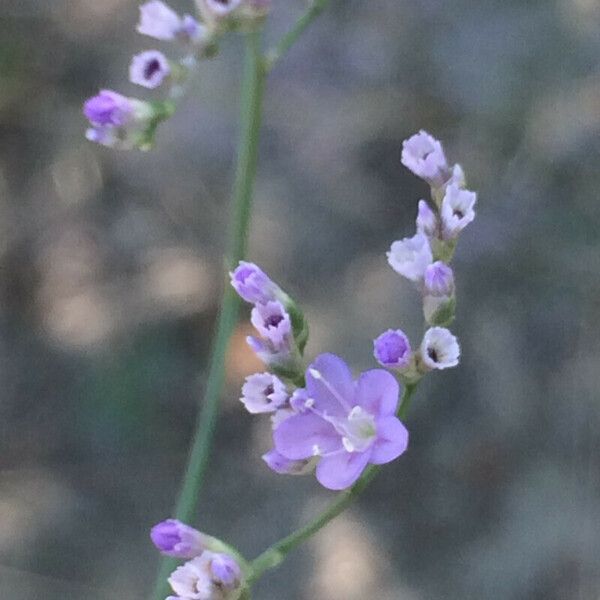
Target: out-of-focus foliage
x=110, y=272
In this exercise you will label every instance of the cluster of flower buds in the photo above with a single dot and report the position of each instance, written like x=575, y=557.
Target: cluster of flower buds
x=424, y=258
x=125, y=123
x=208, y=574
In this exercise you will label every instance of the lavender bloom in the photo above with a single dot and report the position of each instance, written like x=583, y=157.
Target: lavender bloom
x=411, y=256
x=457, y=210
x=149, y=69
x=439, y=349
x=209, y=576
x=253, y=284
x=263, y=393
x=174, y=538
x=159, y=21
x=427, y=222
x=284, y=466
x=110, y=108
x=274, y=324
x=425, y=157
x=349, y=425
x=392, y=349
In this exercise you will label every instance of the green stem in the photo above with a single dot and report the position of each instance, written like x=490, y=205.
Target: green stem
x=290, y=38
x=277, y=553
x=252, y=102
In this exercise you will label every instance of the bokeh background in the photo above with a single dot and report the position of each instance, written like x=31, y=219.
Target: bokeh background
x=111, y=271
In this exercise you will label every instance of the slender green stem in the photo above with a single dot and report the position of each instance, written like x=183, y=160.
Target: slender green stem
x=252, y=102
x=290, y=38
x=277, y=553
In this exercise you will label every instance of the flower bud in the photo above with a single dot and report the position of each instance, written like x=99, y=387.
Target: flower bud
x=439, y=302
x=253, y=284
x=392, y=350
x=427, y=222
x=174, y=538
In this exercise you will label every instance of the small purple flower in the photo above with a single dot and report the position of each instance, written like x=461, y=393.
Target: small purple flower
x=438, y=280
x=411, y=256
x=425, y=157
x=263, y=393
x=349, y=425
x=274, y=324
x=109, y=108
x=284, y=466
x=253, y=284
x=439, y=349
x=174, y=538
x=427, y=222
x=159, y=21
x=226, y=573
x=457, y=177
x=457, y=210
x=149, y=69
x=392, y=349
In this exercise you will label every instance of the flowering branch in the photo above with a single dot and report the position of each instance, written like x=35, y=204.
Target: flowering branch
x=290, y=38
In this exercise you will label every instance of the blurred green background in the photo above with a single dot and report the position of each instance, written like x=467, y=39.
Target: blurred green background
x=110, y=275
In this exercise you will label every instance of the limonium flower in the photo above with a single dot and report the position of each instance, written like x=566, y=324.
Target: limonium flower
x=174, y=538
x=411, y=256
x=439, y=349
x=253, y=284
x=457, y=210
x=149, y=69
x=263, y=393
x=439, y=302
x=427, y=222
x=392, y=349
x=348, y=424
x=425, y=157
x=274, y=324
x=159, y=21
x=210, y=576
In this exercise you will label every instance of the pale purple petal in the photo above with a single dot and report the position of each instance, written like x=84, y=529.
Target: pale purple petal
x=225, y=571
x=303, y=436
x=457, y=210
x=438, y=280
x=273, y=323
x=425, y=157
x=284, y=466
x=253, y=284
x=340, y=471
x=392, y=441
x=378, y=392
x=329, y=383
x=149, y=69
x=159, y=21
x=392, y=349
x=410, y=257
x=439, y=349
x=109, y=108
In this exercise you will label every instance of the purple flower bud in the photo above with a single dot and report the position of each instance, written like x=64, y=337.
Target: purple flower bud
x=149, y=69
x=392, y=349
x=427, y=222
x=411, y=256
x=425, y=157
x=252, y=284
x=159, y=21
x=457, y=177
x=263, y=393
x=273, y=323
x=457, y=210
x=174, y=538
x=109, y=108
x=284, y=466
x=438, y=280
x=439, y=349
x=226, y=573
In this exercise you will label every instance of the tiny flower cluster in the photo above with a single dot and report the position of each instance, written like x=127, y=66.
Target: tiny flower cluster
x=423, y=259
x=122, y=122
x=208, y=574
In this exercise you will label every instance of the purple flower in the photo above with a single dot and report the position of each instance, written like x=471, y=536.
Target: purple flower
x=392, y=349
x=252, y=284
x=274, y=324
x=149, y=69
x=284, y=466
x=349, y=425
x=263, y=393
x=457, y=210
x=425, y=157
x=427, y=222
x=109, y=108
x=439, y=349
x=411, y=256
x=159, y=21
x=174, y=538
x=226, y=573
x=438, y=280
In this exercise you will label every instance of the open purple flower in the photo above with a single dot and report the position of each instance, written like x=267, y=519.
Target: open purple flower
x=458, y=210
x=149, y=69
x=425, y=157
x=411, y=256
x=174, y=538
x=263, y=393
x=348, y=424
x=273, y=323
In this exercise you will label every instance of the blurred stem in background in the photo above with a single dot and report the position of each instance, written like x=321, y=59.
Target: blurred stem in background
x=252, y=104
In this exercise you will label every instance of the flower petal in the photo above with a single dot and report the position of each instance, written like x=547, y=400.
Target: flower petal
x=300, y=435
x=378, y=392
x=342, y=470
x=392, y=440
x=328, y=379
